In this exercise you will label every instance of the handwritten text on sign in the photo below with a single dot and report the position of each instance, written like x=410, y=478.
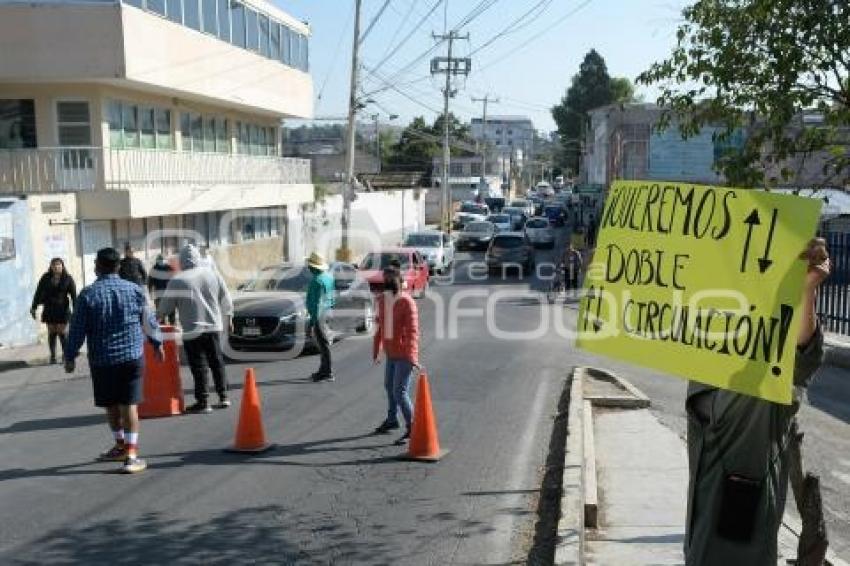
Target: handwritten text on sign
x=702, y=282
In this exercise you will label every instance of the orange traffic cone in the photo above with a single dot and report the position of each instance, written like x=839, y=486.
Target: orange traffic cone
x=162, y=388
x=250, y=436
x=424, y=442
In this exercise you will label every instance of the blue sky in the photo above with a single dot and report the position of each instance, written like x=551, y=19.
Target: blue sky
x=528, y=69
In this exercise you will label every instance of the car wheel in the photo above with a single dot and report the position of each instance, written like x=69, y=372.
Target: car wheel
x=368, y=320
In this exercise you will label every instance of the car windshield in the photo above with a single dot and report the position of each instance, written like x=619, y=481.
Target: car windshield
x=499, y=219
x=514, y=211
x=536, y=223
x=507, y=242
x=478, y=227
x=382, y=260
x=519, y=203
x=295, y=279
x=553, y=209
x=423, y=241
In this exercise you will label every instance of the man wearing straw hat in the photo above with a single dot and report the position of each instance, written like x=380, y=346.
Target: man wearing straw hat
x=320, y=298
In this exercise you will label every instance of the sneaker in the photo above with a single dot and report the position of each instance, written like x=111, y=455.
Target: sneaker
x=385, y=427
x=117, y=453
x=223, y=403
x=404, y=438
x=199, y=408
x=133, y=465
x=317, y=377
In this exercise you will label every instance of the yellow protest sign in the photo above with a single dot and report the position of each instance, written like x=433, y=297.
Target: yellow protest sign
x=701, y=282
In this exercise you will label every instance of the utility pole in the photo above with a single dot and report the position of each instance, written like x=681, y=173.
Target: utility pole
x=486, y=100
x=449, y=66
x=344, y=252
x=377, y=141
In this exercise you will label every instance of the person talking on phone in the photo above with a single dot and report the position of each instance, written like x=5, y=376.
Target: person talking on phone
x=738, y=452
x=397, y=333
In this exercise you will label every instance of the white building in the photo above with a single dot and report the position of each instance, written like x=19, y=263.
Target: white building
x=119, y=120
x=505, y=134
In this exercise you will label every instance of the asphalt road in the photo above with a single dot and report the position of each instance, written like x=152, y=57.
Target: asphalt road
x=330, y=492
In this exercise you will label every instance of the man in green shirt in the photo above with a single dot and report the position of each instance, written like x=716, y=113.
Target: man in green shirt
x=320, y=299
x=738, y=453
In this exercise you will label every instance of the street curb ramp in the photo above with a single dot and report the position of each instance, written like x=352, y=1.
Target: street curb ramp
x=569, y=542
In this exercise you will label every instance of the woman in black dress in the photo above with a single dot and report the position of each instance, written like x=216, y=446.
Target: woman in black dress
x=56, y=292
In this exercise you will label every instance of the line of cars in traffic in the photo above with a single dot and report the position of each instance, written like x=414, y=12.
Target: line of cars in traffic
x=270, y=310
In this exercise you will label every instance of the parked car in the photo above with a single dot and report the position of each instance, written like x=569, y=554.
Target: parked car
x=539, y=232
x=476, y=236
x=510, y=250
x=518, y=216
x=270, y=313
x=525, y=205
x=555, y=213
x=470, y=212
x=544, y=189
x=414, y=269
x=502, y=222
x=437, y=248
x=495, y=204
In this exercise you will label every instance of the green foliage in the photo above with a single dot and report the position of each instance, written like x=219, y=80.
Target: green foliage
x=622, y=90
x=591, y=88
x=420, y=142
x=757, y=65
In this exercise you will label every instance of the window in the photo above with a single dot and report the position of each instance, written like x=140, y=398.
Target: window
x=74, y=130
x=197, y=132
x=191, y=14
x=237, y=18
x=175, y=10
x=74, y=127
x=146, y=125
x=136, y=3
x=210, y=16
x=17, y=124
x=222, y=141
x=475, y=168
x=274, y=41
x=456, y=169
x=285, y=47
x=252, y=30
x=304, y=62
x=209, y=133
x=255, y=139
x=156, y=6
x=264, y=36
x=294, y=49
x=163, y=129
x=116, y=130
x=224, y=20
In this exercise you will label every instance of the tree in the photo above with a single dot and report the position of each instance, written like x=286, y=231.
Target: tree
x=622, y=90
x=420, y=143
x=755, y=66
x=589, y=89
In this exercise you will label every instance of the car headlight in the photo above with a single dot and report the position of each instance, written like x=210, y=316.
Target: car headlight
x=293, y=316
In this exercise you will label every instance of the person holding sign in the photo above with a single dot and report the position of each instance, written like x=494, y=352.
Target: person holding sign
x=738, y=452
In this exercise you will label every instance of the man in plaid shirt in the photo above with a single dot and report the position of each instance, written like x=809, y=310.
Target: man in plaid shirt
x=110, y=315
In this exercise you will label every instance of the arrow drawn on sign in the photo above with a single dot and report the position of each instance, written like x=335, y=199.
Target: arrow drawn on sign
x=752, y=220
x=765, y=262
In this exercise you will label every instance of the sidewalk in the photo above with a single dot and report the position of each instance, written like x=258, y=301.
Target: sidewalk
x=642, y=474
x=17, y=357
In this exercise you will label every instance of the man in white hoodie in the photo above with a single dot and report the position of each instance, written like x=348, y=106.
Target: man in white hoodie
x=200, y=297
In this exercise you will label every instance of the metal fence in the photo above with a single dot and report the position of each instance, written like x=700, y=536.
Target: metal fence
x=834, y=296
x=49, y=170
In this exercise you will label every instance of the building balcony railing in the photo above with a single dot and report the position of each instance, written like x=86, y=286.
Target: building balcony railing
x=50, y=170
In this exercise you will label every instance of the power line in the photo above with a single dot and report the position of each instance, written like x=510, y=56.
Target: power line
x=404, y=41
x=411, y=5
x=337, y=51
x=516, y=25
x=374, y=20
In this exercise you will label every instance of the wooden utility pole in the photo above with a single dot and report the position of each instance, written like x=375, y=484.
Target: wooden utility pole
x=344, y=252
x=449, y=66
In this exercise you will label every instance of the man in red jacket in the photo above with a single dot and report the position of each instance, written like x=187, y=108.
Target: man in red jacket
x=398, y=334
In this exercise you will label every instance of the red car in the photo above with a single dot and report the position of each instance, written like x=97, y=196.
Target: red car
x=414, y=269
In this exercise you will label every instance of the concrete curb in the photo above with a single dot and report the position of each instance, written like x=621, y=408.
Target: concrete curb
x=636, y=399
x=591, y=491
x=569, y=543
x=10, y=365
